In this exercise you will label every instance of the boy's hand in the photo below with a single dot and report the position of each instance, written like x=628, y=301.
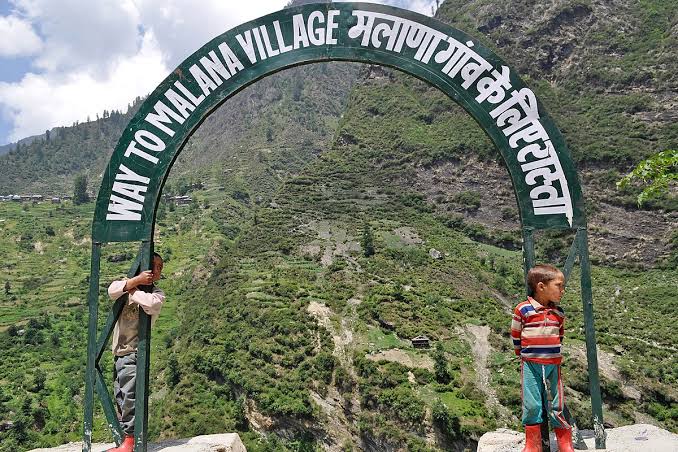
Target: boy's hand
x=142, y=279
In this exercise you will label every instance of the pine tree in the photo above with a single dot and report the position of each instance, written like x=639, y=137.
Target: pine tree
x=440, y=370
x=80, y=195
x=39, y=380
x=173, y=372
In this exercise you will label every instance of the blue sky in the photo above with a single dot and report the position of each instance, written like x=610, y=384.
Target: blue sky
x=62, y=61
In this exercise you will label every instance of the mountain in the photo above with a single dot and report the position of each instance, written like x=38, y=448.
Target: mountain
x=339, y=211
x=4, y=149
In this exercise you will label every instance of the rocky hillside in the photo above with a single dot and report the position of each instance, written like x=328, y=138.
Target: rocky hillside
x=344, y=210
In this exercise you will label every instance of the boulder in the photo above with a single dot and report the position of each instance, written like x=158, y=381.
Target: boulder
x=630, y=438
x=224, y=442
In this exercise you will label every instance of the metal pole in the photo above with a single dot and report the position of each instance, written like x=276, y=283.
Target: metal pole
x=90, y=374
x=143, y=364
x=591, y=353
x=528, y=253
x=109, y=408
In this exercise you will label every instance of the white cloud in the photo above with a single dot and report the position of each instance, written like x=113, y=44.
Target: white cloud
x=80, y=33
x=183, y=26
x=419, y=6
x=40, y=102
x=18, y=38
x=98, y=55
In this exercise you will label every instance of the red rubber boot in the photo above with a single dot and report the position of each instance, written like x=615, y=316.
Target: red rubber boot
x=564, y=437
x=127, y=445
x=532, y=438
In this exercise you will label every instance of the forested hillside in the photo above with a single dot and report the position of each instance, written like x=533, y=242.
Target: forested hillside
x=340, y=210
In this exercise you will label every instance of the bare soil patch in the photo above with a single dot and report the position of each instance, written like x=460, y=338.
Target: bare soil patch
x=400, y=356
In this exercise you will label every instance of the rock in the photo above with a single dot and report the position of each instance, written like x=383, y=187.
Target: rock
x=224, y=442
x=434, y=253
x=501, y=440
x=630, y=438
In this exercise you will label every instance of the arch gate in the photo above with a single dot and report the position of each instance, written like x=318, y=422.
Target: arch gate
x=543, y=175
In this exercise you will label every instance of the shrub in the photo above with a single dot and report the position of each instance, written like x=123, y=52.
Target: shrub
x=445, y=420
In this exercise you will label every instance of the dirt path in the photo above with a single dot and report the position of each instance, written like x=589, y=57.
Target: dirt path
x=607, y=369
x=480, y=347
x=333, y=405
x=506, y=303
x=342, y=336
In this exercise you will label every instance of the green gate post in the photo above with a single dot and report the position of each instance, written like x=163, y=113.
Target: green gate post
x=90, y=376
x=591, y=353
x=577, y=439
x=528, y=254
x=143, y=364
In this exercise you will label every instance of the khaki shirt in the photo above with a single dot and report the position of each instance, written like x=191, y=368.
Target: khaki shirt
x=126, y=331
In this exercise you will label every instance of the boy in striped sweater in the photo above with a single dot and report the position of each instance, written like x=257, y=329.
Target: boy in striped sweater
x=537, y=331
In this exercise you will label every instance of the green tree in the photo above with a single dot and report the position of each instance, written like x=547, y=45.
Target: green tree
x=39, y=380
x=367, y=241
x=297, y=89
x=656, y=173
x=80, y=195
x=440, y=369
x=446, y=421
x=161, y=213
x=173, y=372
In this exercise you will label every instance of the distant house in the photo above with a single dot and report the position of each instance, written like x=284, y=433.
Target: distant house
x=421, y=342
x=56, y=200
x=36, y=197
x=16, y=198
x=6, y=425
x=183, y=200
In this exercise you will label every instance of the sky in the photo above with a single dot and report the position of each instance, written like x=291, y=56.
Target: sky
x=63, y=61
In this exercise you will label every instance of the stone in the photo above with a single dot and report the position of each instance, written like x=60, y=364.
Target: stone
x=434, y=253
x=629, y=438
x=223, y=442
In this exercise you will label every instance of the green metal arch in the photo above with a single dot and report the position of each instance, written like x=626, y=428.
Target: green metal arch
x=531, y=145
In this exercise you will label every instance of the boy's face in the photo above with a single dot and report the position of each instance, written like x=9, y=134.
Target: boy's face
x=551, y=291
x=157, y=268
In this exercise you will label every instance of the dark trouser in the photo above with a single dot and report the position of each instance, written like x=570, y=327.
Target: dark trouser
x=125, y=390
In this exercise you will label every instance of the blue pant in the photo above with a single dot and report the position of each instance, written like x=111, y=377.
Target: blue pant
x=535, y=380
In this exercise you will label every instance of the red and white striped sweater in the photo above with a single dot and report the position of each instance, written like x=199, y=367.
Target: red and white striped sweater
x=537, y=331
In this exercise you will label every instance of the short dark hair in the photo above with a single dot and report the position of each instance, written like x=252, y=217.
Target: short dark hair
x=158, y=255
x=542, y=273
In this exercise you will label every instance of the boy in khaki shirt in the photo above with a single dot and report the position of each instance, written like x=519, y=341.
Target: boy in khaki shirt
x=126, y=340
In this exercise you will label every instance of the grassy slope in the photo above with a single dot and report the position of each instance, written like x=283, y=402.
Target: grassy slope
x=249, y=334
